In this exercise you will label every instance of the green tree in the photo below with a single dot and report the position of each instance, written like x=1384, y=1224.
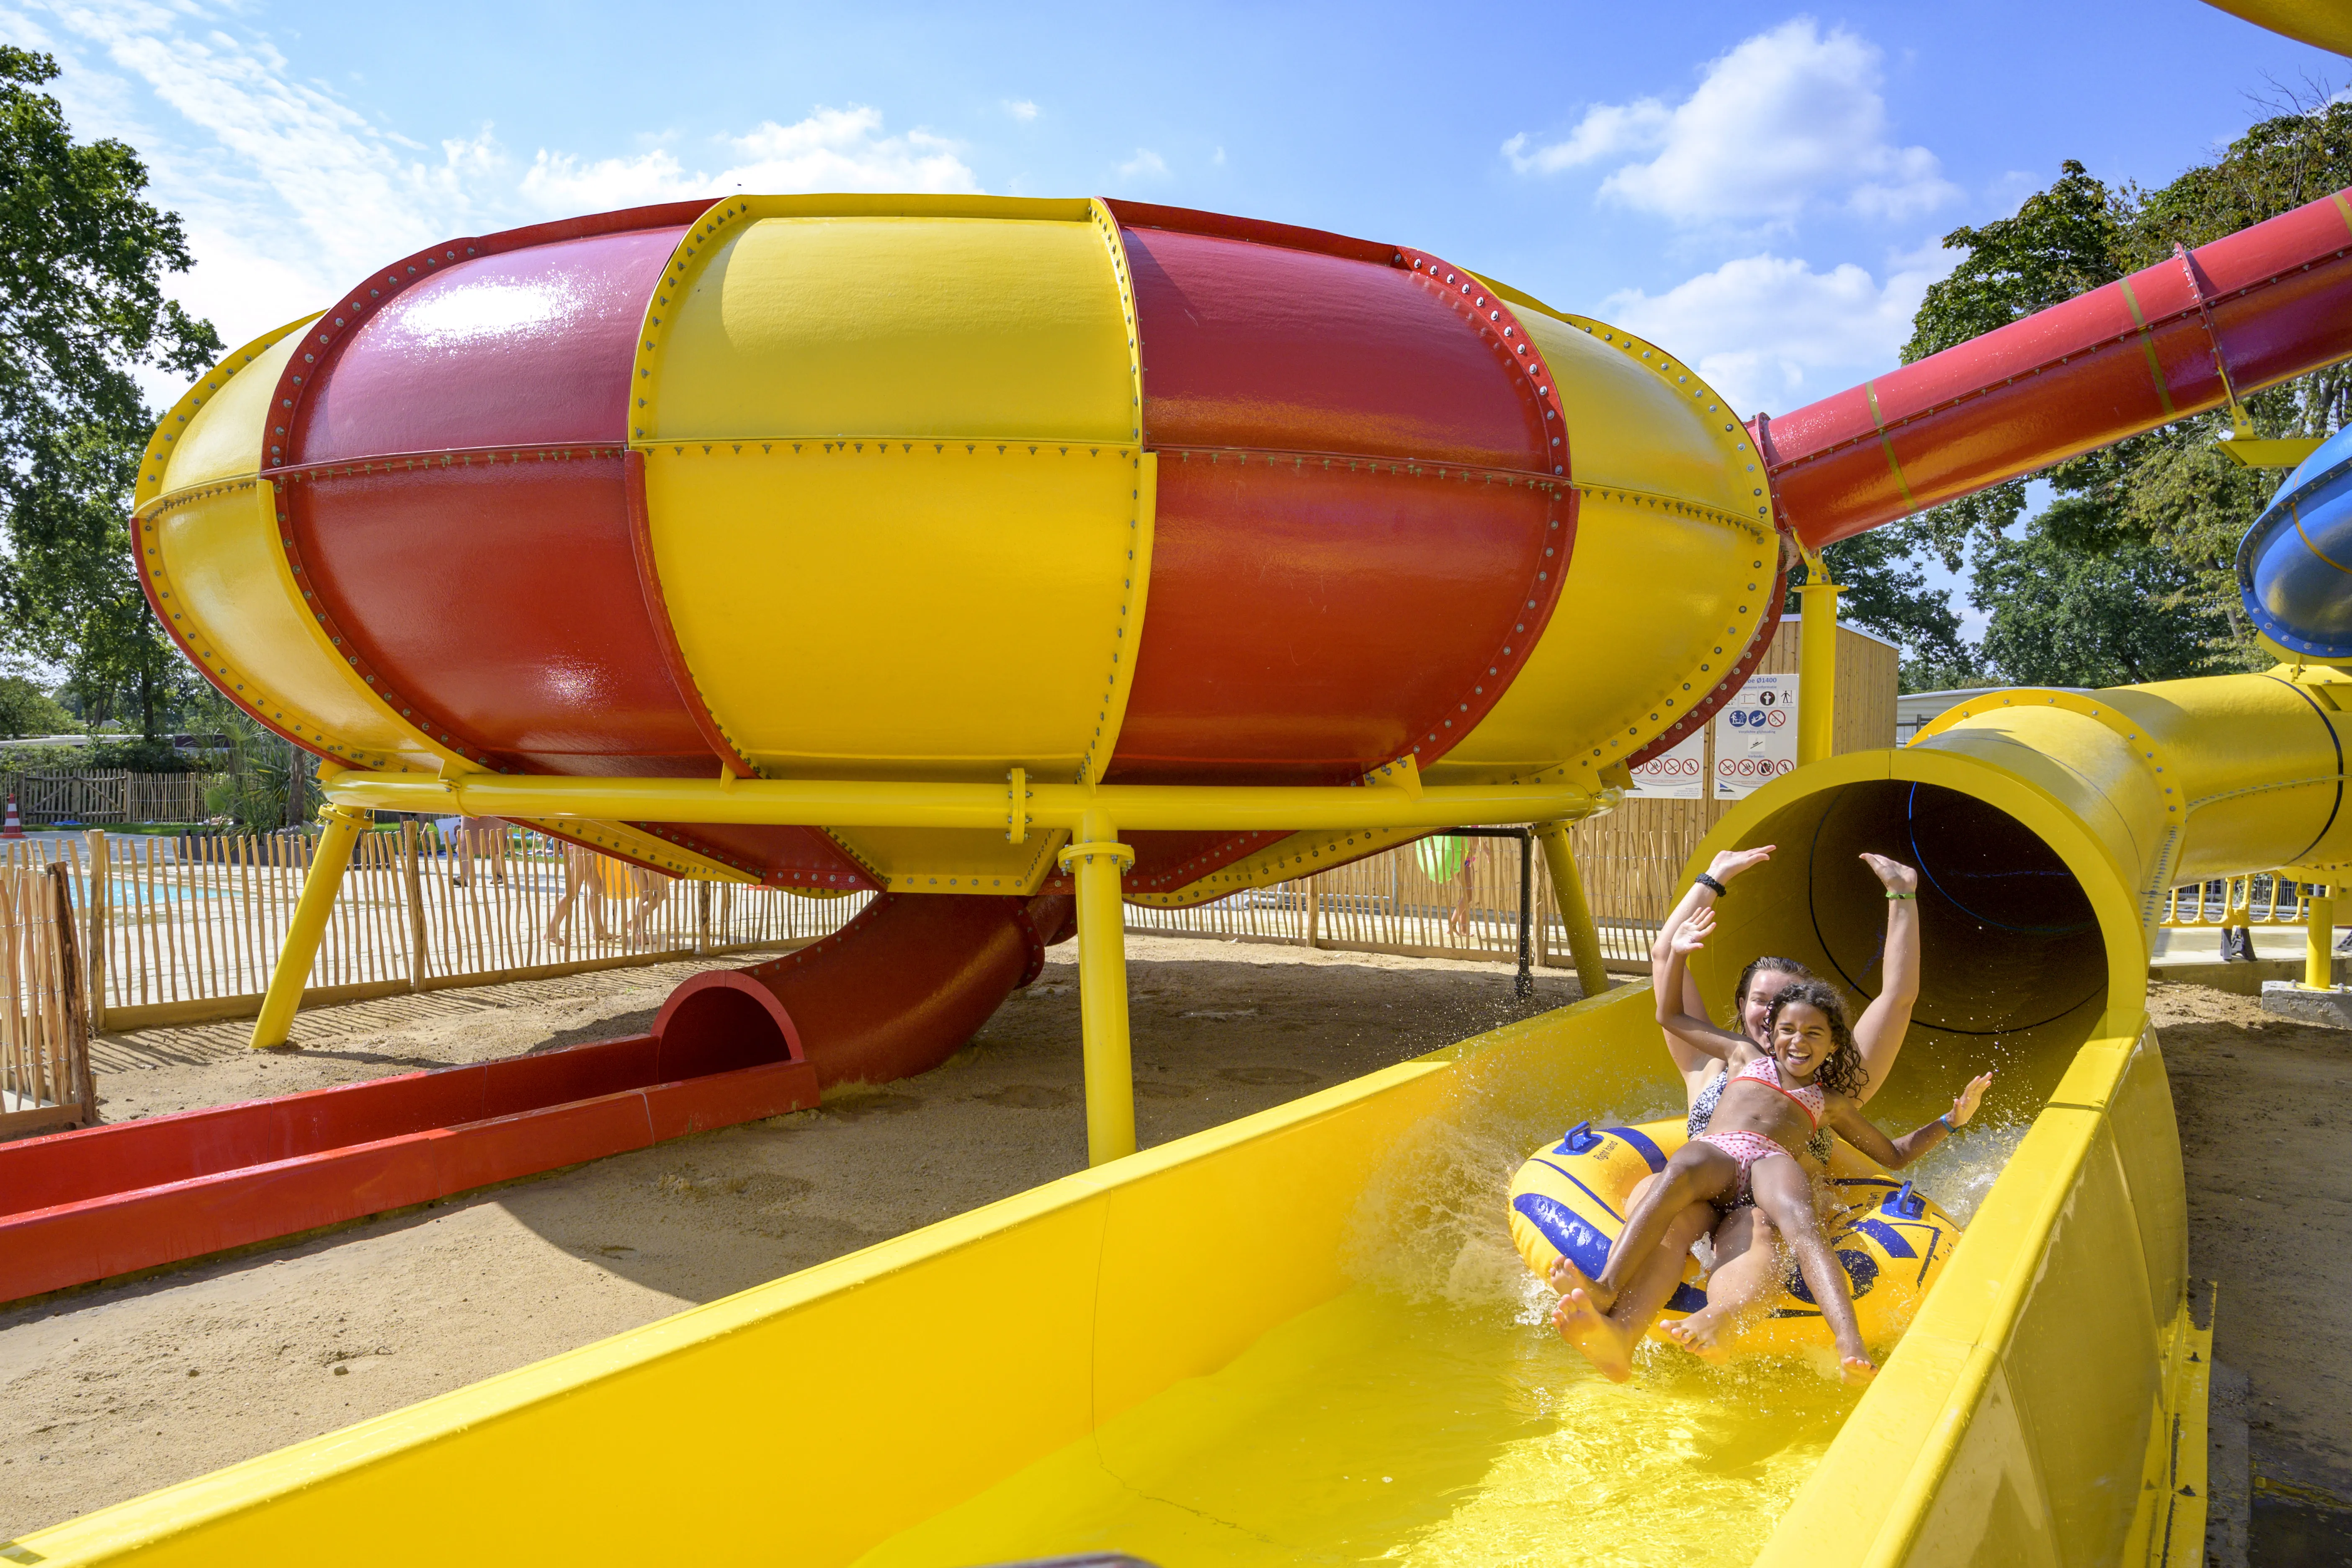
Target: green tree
x=26, y=709
x=1887, y=593
x=82, y=259
x=2160, y=515
x=2069, y=611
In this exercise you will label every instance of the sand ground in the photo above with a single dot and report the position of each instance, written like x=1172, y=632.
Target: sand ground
x=114, y=1390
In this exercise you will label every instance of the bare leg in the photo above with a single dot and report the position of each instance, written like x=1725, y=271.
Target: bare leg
x=1748, y=1270
x=652, y=898
x=1608, y=1341
x=557, y=935
x=1785, y=1193
x=1698, y=1173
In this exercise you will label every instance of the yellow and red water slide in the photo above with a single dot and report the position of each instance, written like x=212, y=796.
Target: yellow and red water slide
x=896, y=495
x=1171, y=1352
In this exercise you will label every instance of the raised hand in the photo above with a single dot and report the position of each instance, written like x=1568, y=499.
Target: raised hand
x=1729, y=863
x=1971, y=1097
x=1692, y=934
x=1896, y=876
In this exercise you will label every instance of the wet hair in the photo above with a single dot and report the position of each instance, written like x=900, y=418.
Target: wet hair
x=1756, y=966
x=1842, y=1070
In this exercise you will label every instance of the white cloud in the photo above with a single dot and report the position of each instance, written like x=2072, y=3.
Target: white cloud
x=1021, y=109
x=1787, y=119
x=1606, y=131
x=831, y=149
x=289, y=194
x=1146, y=165
x=1769, y=333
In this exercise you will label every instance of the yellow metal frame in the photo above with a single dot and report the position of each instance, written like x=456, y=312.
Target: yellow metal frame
x=1097, y=865
x=1575, y=913
x=1817, y=664
x=853, y=804
x=311, y=910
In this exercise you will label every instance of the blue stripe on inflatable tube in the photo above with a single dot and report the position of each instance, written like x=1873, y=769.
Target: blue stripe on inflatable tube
x=1566, y=1231
x=2295, y=565
x=1887, y=1236
x=1641, y=1144
x=1564, y=1175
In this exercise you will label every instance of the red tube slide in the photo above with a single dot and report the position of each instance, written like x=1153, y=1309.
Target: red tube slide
x=2249, y=310
x=895, y=992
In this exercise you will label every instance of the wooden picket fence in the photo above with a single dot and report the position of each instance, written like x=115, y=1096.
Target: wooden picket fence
x=44, y=1034
x=182, y=930
x=1390, y=903
x=110, y=797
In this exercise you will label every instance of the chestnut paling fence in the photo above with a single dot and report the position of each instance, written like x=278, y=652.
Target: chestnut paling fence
x=161, y=931
x=1633, y=876
x=44, y=1035
x=1391, y=902
x=106, y=796
x=181, y=931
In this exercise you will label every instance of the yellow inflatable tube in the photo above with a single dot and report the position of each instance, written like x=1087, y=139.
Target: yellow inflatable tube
x=1570, y=1198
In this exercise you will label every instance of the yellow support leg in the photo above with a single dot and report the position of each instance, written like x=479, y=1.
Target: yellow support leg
x=320, y=886
x=1568, y=891
x=2319, y=943
x=1102, y=991
x=1817, y=669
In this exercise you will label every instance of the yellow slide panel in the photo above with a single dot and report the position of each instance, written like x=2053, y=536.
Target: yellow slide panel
x=901, y=451
x=804, y=577
x=208, y=532
x=1672, y=531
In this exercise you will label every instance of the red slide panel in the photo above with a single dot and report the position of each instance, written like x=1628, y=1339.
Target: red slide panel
x=104, y=1200
x=894, y=993
x=2247, y=311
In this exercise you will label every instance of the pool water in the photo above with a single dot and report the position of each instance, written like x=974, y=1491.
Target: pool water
x=1376, y=1430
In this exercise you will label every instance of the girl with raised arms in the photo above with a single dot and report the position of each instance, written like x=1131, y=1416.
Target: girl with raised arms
x=1775, y=1100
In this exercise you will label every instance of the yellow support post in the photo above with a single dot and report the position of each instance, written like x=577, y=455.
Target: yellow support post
x=1568, y=891
x=1102, y=990
x=2319, y=942
x=320, y=885
x=1817, y=665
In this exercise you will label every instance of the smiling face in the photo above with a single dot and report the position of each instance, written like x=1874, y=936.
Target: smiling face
x=1757, y=1005
x=1801, y=1040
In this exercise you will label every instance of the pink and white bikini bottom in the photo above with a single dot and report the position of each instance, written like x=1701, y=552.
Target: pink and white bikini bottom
x=1746, y=1147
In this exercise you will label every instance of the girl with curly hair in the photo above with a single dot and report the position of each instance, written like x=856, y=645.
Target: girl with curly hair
x=1810, y=1078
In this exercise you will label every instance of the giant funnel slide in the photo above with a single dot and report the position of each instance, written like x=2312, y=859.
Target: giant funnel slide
x=949, y=529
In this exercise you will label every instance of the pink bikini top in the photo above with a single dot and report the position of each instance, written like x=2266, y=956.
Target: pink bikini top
x=1766, y=1070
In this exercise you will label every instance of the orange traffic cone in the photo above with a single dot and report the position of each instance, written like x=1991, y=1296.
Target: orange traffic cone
x=16, y=825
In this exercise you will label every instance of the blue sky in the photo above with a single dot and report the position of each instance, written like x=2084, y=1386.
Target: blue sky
x=1760, y=190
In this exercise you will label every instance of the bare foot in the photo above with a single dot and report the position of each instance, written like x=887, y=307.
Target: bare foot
x=1567, y=1277
x=1701, y=1334
x=1602, y=1343
x=1858, y=1370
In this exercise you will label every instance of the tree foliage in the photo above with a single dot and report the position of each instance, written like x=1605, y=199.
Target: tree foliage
x=82, y=259
x=26, y=709
x=2147, y=530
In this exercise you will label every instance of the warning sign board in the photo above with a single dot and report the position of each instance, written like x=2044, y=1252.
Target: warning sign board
x=1756, y=736
x=1677, y=774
